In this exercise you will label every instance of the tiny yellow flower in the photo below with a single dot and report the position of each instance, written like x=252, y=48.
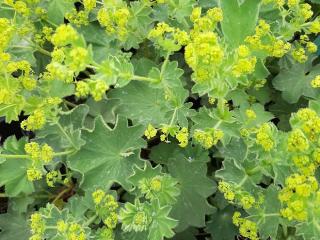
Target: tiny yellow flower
x=150, y=132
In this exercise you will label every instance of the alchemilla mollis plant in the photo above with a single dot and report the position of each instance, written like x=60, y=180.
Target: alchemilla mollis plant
x=160, y=119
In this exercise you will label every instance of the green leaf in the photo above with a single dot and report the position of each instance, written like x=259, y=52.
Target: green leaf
x=221, y=226
x=189, y=167
x=20, y=204
x=296, y=82
x=169, y=191
x=66, y=131
x=108, y=154
x=51, y=215
x=57, y=9
x=115, y=70
x=236, y=174
x=105, y=108
x=57, y=89
x=132, y=235
x=188, y=234
x=309, y=230
x=12, y=111
x=139, y=23
x=262, y=116
x=22, y=50
x=13, y=172
x=239, y=21
x=268, y=214
x=208, y=118
x=236, y=149
x=78, y=205
x=161, y=225
x=169, y=75
x=14, y=226
x=144, y=104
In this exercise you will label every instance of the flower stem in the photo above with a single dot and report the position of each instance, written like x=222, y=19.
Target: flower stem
x=60, y=195
x=141, y=78
x=25, y=156
x=12, y=156
x=91, y=220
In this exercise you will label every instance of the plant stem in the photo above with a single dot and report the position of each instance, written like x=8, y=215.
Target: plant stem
x=61, y=194
x=217, y=124
x=25, y=156
x=12, y=156
x=164, y=65
x=91, y=220
x=63, y=153
x=173, y=116
x=141, y=78
x=70, y=104
x=43, y=51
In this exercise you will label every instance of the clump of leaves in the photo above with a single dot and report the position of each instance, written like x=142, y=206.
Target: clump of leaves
x=162, y=119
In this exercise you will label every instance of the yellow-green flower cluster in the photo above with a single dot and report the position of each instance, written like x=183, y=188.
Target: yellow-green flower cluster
x=79, y=58
x=315, y=83
x=208, y=138
x=44, y=35
x=152, y=187
x=264, y=137
x=57, y=71
x=305, y=165
x=106, y=208
x=250, y=114
x=247, y=228
x=245, y=64
x=247, y=201
x=78, y=18
x=6, y=33
x=115, y=20
x=38, y=226
x=64, y=35
x=51, y=178
x=150, y=132
x=315, y=26
x=207, y=22
x=35, y=121
x=168, y=38
x=105, y=233
x=265, y=41
x=95, y=88
x=71, y=231
x=303, y=140
x=89, y=4
x=297, y=141
x=299, y=193
x=20, y=7
x=236, y=195
x=183, y=137
x=204, y=54
x=180, y=133
x=227, y=190
x=310, y=46
x=39, y=156
x=135, y=217
x=299, y=54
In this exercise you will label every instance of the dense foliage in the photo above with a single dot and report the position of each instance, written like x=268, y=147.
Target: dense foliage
x=164, y=119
